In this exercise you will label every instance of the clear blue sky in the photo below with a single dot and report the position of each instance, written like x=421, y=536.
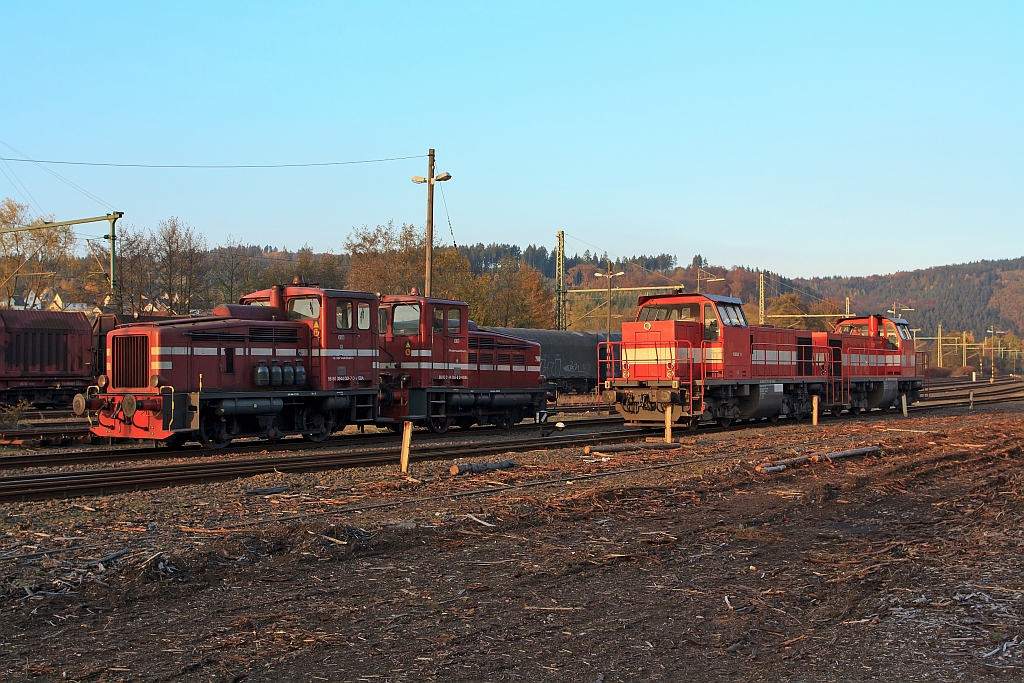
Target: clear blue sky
x=807, y=138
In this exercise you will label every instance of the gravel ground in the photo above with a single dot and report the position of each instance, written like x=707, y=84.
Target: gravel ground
x=641, y=565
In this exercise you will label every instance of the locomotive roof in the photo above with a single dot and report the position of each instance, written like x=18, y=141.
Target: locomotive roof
x=898, y=321
x=713, y=297
x=300, y=290
x=410, y=299
x=56, y=321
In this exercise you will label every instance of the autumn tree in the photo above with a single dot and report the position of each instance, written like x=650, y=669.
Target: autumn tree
x=517, y=296
x=182, y=265
x=29, y=258
x=136, y=284
x=386, y=259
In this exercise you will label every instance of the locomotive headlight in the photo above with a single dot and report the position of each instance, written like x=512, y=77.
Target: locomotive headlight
x=129, y=405
x=102, y=381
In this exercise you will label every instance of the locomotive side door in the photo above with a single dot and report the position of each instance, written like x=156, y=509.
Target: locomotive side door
x=439, y=344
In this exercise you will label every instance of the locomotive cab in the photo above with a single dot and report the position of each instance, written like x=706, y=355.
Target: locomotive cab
x=288, y=360
x=686, y=337
x=438, y=370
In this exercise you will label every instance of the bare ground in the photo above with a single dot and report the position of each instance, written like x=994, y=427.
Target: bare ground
x=909, y=565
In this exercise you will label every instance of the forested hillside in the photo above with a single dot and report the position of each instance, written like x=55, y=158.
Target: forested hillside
x=968, y=297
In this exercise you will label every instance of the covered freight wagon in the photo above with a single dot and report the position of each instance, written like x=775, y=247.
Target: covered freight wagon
x=569, y=360
x=47, y=356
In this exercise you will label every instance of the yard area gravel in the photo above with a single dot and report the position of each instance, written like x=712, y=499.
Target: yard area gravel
x=638, y=565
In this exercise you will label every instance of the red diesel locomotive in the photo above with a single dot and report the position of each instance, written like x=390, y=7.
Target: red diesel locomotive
x=696, y=358
x=304, y=360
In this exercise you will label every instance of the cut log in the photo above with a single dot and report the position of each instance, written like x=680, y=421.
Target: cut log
x=477, y=467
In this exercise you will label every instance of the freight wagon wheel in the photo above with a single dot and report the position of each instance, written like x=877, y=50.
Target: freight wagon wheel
x=503, y=421
x=213, y=431
x=439, y=425
x=316, y=426
x=725, y=421
x=464, y=422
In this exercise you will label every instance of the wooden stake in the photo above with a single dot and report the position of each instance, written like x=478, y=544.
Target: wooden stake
x=406, y=443
x=814, y=414
x=668, y=424
x=970, y=404
x=903, y=400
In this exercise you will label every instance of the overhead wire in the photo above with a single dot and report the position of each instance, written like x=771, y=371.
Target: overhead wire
x=450, y=229
x=619, y=257
x=209, y=166
x=55, y=175
x=33, y=201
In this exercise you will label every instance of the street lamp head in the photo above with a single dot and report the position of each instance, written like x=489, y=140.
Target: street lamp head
x=419, y=179
x=621, y=272
x=443, y=177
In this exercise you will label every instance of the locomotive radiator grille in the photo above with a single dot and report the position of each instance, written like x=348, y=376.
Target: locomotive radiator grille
x=129, y=361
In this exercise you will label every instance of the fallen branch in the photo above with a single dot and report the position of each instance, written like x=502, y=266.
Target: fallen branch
x=782, y=465
x=621, y=447
x=108, y=558
x=477, y=467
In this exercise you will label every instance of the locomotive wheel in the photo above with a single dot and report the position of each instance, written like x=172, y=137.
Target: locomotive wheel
x=315, y=425
x=213, y=432
x=439, y=425
x=693, y=424
x=774, y=417
x=464, y=422
x=856, y=411
x=504, y=421
x=724, y=421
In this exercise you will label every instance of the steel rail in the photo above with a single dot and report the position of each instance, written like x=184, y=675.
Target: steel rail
x=41, y=486
x=290, y=444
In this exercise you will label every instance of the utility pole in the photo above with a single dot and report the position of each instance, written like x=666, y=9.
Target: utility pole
x=111, y=218
x=939, y=354
x=609, y=275
x=760, y=300
x=847, y=307
x=430, y=223
x=965, y=349
x=561, y=318
x=429, y=181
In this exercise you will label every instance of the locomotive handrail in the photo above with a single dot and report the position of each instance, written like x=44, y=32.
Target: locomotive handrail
x=769, y=360
x=874, y=362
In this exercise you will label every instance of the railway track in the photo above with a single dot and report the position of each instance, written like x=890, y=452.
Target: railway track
x=340, y=452
x=349, y=441
x=47, y=485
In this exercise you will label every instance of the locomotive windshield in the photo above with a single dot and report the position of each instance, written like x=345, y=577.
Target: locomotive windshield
x=732, y=315
x=306, y=308
x=406, y=320
x=686, y=312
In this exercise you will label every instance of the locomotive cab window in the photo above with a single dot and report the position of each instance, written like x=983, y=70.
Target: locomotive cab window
x=891, y=337
x=732, y=315
x=905, y=332
x=860, y=330
x=382, y=320
x=363, y=316
x=343, y=315
x=684, y=312
x=306, y=308
x=405, y=320
x=438, y=319
x=710, y=323
x=454, y=321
